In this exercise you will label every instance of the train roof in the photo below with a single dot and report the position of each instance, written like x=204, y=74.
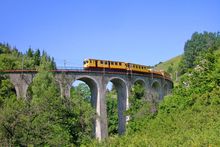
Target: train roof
x=103, y=60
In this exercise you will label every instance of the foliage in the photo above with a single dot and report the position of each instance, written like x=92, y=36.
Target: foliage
x=6, y=91
x=112, y=111
x=141, y=106
x=82, y=90
x=45, y=120
x=199, y=42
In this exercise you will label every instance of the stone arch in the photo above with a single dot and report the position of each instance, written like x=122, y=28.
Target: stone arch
x=144, y=87
x=93, y=85
x=156, y=90
x=95, y=102
x=165, y=89
x=141, y=81
x=122, y=96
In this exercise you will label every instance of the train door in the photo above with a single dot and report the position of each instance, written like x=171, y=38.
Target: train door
x=96, y=63
x=108, y=64
x=126, y=65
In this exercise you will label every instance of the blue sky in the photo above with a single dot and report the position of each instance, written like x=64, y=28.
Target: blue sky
x=138, y=31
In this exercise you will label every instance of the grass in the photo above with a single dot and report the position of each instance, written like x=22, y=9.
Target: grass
x=170, y=66
x=172, y=62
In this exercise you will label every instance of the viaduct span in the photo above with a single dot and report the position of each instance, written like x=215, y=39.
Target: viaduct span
x=97, y=82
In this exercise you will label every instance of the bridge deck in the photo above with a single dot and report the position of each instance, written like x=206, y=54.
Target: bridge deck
x=26, y=71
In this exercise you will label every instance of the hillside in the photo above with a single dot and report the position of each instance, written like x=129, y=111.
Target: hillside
x=173, y=62
x=171, y=66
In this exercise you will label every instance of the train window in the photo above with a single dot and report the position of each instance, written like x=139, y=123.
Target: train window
x=112, y=63
x=116, y=63
x=84, y=62
x=90, y=61
x=106, y=62
x=120, y=64
x=101, y=62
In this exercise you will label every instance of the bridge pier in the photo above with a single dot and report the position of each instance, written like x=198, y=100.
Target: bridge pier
x=101, y=112
x=122, y=89
x=65, y=84
x=21, y=83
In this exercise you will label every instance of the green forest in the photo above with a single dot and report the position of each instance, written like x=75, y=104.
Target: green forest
x=189, y=116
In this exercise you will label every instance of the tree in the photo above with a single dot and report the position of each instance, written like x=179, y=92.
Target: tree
x=199, y=42
x=82, y=90
x=112, y=111
x=30, y=53
x=79, y=118
x=37, y=57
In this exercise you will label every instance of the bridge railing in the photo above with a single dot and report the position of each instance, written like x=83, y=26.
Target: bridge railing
x=69, y=68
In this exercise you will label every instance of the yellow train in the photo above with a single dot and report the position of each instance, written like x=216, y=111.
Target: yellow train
x=120, y=66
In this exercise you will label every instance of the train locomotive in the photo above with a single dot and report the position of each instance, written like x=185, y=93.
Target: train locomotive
x=116, y=66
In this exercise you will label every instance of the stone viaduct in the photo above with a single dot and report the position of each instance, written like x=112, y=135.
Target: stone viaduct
x=97, y=82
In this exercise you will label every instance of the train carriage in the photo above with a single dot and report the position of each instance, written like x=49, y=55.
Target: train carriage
x=117, y=65
x=89, y=63
x=138, y=68
x=104, y=64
